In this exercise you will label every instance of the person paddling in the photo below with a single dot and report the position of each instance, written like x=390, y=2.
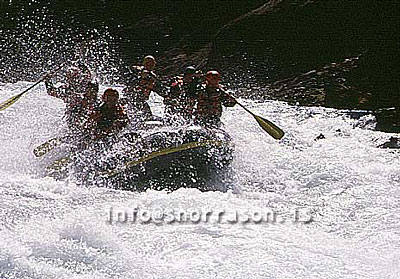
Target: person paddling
x=182, y=95
x=137, y=94
x=110, y=118
x=210, y=101
x=79, y=93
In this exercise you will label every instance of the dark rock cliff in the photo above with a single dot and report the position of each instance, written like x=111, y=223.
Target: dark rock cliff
x=341, y=54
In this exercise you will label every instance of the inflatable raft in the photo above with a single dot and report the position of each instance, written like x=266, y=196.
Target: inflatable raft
x=153, y=158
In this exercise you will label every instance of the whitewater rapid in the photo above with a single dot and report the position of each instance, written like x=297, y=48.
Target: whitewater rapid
x=345, y=191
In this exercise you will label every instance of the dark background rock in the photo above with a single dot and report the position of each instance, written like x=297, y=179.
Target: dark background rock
x=285, y=40
x=34, y=32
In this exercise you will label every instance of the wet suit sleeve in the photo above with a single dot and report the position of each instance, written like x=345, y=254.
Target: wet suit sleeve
x=137, y=69
x=193, y=88
x=158, y=87
x=173, y=90
x=95, y=115
x=227, y=100
x=131, y=94
x=84, y=68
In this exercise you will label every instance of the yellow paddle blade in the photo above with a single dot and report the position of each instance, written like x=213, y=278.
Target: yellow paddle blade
x=47, y=146
x=265, y=124
x=10, y=101
x=269, y=127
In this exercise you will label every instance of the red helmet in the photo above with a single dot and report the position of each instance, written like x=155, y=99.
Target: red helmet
x=110, y=93
x=213, y=76
x=212, y=79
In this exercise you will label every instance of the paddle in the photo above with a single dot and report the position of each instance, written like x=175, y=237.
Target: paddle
x=161, y=152
x=47, y=146
x=15, y=98
x=273, y=130
x=52, y=143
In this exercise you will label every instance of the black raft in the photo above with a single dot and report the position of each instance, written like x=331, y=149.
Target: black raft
x=166, y=158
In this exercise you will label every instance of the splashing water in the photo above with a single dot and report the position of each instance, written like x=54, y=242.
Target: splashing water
x=33, y=38
x=338, y=196
x=335, y=199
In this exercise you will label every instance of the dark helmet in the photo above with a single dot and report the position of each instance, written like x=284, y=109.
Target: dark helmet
x=190, y=70
x=110, y=93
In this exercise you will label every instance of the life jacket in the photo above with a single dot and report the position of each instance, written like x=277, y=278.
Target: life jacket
x=210, y=101
x=138, y=93
x=78, y=114
x=79, y=109
x=181, y=98
x=172, y=99
x=74, y=95
x=146, y=83
x=106, y=117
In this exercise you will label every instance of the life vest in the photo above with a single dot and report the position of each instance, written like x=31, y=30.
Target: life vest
x=210, y=101
x=172, y=99
x=139, y=91
x=106, y=117
x=147, y=81
x=79, y=108
x=78, y=113
x=181, y=98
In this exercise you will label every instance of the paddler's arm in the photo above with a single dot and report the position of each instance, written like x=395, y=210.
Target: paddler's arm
x=84, y=68
x=95, y=117
x=60, y=92
x=227, y=100
x=137, y=69
x=159, y=87
x=95, y=132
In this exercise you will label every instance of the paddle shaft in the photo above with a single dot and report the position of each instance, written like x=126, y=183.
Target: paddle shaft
x=265, y=124
x=246, y=109
x=15, y=98
x=42, y=79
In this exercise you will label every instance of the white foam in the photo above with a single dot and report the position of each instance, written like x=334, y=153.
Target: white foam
x=56, y=229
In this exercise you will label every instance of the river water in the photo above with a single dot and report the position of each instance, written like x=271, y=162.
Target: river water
x=299, y=208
